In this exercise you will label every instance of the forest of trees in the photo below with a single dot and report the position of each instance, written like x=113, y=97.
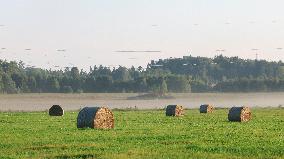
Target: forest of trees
x=187, y=74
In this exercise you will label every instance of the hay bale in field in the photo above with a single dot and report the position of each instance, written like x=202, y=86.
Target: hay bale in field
x=174, y=110
x=239, y=114
x=95, y=117
x=56, y=110
x=206, y=108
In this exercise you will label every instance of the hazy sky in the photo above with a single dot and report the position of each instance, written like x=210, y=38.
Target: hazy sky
x=92, y=30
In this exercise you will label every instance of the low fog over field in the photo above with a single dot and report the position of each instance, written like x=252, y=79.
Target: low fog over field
x=42, y=102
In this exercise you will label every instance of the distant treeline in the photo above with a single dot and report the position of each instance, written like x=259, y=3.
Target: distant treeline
x=187, y=74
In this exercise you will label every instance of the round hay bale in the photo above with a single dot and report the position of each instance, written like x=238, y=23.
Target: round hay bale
x=239, y=114
x=95, y=117
x=56, y=110
x=206, y=108
x=174, y=110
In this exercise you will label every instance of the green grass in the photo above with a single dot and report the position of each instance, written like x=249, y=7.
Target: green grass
x=144, y=134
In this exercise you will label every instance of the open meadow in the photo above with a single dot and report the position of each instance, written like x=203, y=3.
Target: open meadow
x=141, y=79
x=144, y=134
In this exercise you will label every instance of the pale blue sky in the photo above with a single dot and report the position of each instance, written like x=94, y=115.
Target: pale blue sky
x=92, y=30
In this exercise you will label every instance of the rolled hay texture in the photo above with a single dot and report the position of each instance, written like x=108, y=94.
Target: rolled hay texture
x=239, y=114
x=174, y=110
x=56, y=110
x=95, y=117
x=206, y=108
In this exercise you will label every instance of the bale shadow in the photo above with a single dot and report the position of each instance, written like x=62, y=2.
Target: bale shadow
x=80, y=156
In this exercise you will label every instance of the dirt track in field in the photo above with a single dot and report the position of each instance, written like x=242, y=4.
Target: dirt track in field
x=42, y=102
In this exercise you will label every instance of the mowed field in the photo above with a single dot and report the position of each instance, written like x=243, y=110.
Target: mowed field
x=144, y=134
x=42, y=102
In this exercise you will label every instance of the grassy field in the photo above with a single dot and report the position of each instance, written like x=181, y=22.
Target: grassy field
x=144, y=134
